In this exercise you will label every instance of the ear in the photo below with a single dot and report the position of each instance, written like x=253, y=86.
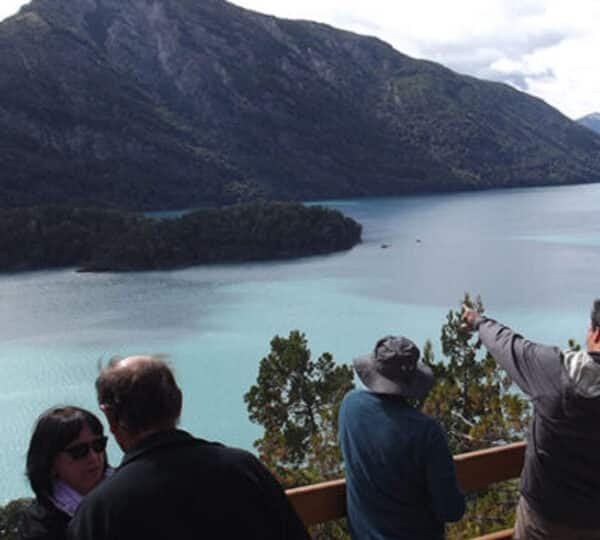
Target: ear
x=111, y=418
x=596, y=335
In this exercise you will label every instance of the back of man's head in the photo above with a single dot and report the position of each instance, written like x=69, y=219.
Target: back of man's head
x=595, y=315
x=140, y=394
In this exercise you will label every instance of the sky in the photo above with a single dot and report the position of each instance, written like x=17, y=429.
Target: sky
x=548, y=48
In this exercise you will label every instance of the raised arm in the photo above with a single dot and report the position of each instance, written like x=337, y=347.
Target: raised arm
x=531, y=366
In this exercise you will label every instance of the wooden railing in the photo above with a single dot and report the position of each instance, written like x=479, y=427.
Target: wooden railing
x=324, y=502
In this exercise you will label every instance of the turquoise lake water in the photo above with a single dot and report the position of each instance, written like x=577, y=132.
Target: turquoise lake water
x=533, y=255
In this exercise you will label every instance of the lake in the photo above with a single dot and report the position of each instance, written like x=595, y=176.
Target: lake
x=532, y=254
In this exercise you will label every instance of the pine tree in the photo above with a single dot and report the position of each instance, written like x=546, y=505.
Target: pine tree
x=297, y=399
x=473, y=399
x=479, y=407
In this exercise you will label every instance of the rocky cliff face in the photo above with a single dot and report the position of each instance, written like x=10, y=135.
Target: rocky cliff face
x=167, y=103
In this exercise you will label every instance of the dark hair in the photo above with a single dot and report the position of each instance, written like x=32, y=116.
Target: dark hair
x=595, y=316
x=142, y=396
x=54, y=430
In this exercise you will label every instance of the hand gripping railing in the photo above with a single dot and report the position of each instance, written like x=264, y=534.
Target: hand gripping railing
x=319, y=503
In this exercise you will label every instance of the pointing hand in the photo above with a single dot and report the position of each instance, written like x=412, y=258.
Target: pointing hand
x=469, y=317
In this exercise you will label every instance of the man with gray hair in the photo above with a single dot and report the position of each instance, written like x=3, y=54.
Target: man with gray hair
x=560, y=481
x=400, y=477
x=171, y=485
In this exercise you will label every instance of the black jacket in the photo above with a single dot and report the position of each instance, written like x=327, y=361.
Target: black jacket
x=43, y=522
x=173, y=486
x=561, y=475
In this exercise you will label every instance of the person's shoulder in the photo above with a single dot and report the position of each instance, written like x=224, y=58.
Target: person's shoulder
x=213, y=453
x=432, y=423
x=354, y=403
x=229, y=456
x=356, y=397
x=355, y=393
x=433, y=429
x=38, y=521
x=239, y=468
x=423, y=423
x=34, y=509
x=38, y=510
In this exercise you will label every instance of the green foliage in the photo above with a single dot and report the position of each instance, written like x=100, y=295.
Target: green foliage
x=9, y=518
x=273, y=109
x=296, y=399
x=101, y=239
x=476, y=403
x=489, y=510
x=473, y=398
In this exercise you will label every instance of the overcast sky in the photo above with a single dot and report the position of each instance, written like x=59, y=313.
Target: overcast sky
x=544, y=47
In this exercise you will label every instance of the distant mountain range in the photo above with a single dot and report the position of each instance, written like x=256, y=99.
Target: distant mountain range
x=177, y=103
x=591, y=121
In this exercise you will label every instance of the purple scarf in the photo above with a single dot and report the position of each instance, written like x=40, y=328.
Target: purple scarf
x=65, y=498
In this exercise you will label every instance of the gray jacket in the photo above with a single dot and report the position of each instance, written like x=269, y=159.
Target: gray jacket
x=561, y=475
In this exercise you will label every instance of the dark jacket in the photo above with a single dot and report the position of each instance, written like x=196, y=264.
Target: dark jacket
x=173, y=486
x=400, y=478
x=561, y=475
x=43, y=522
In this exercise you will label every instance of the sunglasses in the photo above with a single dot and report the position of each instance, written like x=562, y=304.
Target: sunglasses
x=81, y=450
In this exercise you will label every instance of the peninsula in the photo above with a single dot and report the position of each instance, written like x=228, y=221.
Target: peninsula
x=110, y=240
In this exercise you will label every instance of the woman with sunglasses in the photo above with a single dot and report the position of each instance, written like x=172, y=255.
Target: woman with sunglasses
x=65, y=461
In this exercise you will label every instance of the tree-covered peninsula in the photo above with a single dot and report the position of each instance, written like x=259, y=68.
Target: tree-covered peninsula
x=103, y=239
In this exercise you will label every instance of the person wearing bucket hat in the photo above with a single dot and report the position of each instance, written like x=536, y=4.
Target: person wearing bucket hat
x=400, y=477
x=394, y=368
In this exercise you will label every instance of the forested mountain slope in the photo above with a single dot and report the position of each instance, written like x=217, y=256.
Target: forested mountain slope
x=591, y=121
x=176, y=103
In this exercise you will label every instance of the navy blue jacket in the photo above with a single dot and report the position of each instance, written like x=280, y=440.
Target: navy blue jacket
x=400, y=478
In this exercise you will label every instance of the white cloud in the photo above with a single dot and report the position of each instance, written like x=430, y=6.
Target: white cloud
x=9, y=7
x=546, y=47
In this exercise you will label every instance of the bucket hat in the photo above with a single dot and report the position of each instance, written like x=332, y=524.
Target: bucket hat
x=394, y=368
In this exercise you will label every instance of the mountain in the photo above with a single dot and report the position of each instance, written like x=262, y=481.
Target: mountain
x=591, y=121
x=177, y=103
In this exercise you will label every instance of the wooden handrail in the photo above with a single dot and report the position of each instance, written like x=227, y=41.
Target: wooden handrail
x=479, y=469
x=319, y=503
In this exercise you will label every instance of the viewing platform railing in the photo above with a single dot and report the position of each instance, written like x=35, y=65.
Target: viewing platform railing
x=319, y=503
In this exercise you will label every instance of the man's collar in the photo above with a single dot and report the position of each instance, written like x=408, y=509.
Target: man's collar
x=595, y=356
x=170, y=437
